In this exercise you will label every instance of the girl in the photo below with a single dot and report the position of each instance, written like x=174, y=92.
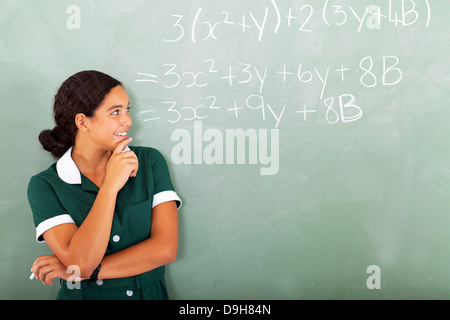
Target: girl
x=107, y=211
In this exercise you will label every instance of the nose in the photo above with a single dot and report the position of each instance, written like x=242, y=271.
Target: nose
x=126, y=120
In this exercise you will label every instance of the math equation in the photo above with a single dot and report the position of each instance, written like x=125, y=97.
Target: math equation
x=334, y=84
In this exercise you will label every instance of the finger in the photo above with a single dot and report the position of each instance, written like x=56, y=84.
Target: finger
x=50, y=276
x=129, y=155
x=135, y=164
x=122, y=145
x=130, y=158
x=39, y=262
x=35, y=262
x=43, y=272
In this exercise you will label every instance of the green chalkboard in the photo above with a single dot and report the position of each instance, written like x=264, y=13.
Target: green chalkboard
x=309, y=140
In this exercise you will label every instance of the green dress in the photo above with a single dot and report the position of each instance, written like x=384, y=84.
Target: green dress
x=61, y=194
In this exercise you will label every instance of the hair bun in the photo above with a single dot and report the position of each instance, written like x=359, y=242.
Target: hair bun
x=53, y=141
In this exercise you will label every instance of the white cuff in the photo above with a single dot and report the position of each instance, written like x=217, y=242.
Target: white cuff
x=50, y=223
x=165, y=196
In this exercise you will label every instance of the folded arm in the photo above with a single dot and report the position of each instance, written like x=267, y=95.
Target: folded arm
x=160, y=249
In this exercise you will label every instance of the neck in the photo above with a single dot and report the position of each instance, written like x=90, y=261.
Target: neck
x=91, y=161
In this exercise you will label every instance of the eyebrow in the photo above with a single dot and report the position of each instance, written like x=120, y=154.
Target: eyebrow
x=117, y=106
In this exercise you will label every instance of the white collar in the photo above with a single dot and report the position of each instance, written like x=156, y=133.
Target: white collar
x=67, y=169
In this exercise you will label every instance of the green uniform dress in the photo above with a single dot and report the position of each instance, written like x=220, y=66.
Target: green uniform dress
x=61, y=194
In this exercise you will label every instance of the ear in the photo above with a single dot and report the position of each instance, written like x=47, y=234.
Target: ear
x=81, y=121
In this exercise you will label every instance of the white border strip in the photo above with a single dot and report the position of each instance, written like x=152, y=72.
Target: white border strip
x=50, y=223
x=165, y=196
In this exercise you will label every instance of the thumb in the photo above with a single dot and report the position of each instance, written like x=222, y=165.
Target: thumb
x=122, y=145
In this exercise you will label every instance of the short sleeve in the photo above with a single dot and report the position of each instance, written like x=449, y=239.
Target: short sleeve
x=46, y=208
x=164, y=190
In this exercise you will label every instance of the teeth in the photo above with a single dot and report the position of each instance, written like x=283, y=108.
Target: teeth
x=120, y=134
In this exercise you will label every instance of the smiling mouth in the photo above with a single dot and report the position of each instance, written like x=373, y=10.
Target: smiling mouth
x=120, y=134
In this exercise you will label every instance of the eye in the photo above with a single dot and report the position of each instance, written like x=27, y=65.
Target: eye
x=115, y=112
x=128, y=109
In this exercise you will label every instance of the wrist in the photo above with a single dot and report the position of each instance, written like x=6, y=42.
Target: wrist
x=94, y=275
x=109, y=188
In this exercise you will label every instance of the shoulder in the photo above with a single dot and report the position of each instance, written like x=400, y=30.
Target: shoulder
x=41, y=190
x=44, y=178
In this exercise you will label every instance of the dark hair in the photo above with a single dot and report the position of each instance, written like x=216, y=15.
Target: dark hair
x=81, y=93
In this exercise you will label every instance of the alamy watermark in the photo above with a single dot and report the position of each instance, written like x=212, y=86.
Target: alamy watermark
x=231, y=146
x=73, y=21
x=73, y=282
x=374, y=280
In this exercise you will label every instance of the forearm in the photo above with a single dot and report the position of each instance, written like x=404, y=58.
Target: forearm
x=85, y=246
x=138, y=259
x=94, y=232
x=160, y=249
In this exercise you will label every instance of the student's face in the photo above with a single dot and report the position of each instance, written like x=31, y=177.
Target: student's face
x=111, y=120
